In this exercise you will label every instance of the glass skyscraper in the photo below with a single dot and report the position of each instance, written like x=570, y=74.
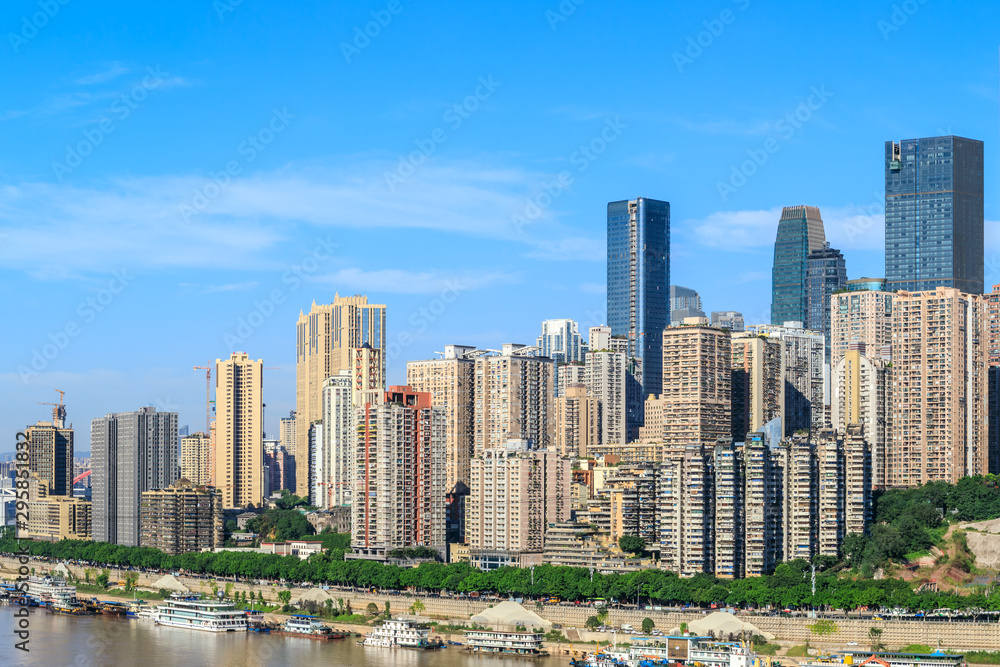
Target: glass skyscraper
x=826, y=273
x=800, y=232
x=639, y=280
x=934, y=214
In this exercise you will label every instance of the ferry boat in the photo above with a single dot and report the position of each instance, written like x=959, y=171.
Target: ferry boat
x=510, y=643
x=49, y=590
x=109, y=608
x=309, y=627
x=205, y=615
x=400, y=633
x=71, y=608
x=133, y=608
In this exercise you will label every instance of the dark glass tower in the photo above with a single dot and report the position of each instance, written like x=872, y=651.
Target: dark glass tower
x=800, y=232
x=638, y=284
x=934, y=214
x=826, y=273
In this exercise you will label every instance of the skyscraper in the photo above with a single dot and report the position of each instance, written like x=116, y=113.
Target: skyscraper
x=800, y=232
x=196, y=458
x=684, y=302
x=336, y=464
x=638, y=283
x=239, y=430
x=326, y=336
x=399, y=474
x=939, y=387
x=50, y=453
x=826, y=273
x=131, y=452
x=561, y=341
x=934, y=214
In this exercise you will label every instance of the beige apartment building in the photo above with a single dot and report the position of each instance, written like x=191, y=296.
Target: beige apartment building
x=197, y=458
x=326, y=336
x=50, y=452
x=862, y=395
x=516, y=492
x=181, y=518
x=686, y=516
x=939, y=387
x=697, y=393
x=860, y=317
x=53, y=518
x=605, y=375
x=758, y=387
x=513, y=396
x=578, y=421
x=450, y=381
x=239, y=430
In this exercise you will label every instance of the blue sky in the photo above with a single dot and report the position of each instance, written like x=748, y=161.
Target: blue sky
x=178, y=181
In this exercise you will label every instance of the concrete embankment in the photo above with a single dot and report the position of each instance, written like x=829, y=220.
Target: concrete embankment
x=947, y=635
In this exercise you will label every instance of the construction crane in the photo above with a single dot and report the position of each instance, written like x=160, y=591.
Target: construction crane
x=58, y=411
x=208, y=397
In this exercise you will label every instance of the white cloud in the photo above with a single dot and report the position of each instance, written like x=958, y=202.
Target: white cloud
x=398, y=281
x=138, y=221
x=116, y=69
x=734, y=230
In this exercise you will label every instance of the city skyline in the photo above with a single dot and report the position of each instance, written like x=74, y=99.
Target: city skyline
x=249, y=250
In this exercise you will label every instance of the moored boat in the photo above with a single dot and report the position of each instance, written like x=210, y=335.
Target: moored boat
x=400, y=633
x=110, y=608
x=504, y=642
x=205, y=615
x=309, y=627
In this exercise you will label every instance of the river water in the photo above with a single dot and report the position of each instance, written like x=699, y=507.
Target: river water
x=56, y=640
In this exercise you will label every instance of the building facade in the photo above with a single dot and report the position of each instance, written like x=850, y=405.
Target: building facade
x=50, y=453
x=578, y=421
x=513, y=396
x=638, y=282
x=862, y=396
x=326, y=336
x=800, y=232
x=196, y=458
x=939, y=387
x=805, y=374
x=860, y=317
x=684, y=302
x=517, y=491
x=728, y=319
x=181, y=518
x=826, y=273
x=561, y=341
x=399, y=479
x=239, y=430
x=131, y=452
x=934, y=214
x=606, y=378
x=758, y=387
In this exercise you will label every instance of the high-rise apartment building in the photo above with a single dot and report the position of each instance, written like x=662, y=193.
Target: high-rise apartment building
x=727, y=464
x=638, y=282
x=697, y=390
x=131, y=452
x=800, y=232
x=196, y=458
x=860, y=317
x=327, y=336
x=826, y=273
x=239, y=430
x=857, y=480
x=830, y=496
x=567, y=374
x=517, y=491
x=578, y=421
x=796, y=460
x=686, y=518
x=763, y=535
x=993, y=390
x=939, y=387
x=513, y=395
x=399, y=475
x=181, y=518
x=279, y=466
x=52, y=518
x=758, y=386
x=633, y=500
x=804, y=371
x=50, y=453
x=862, y=396
x=287, y=432
x=684, y=302
x=606, y=377
x=336, y=456
x=728, y=319
x=934, y=214
x=561, y=341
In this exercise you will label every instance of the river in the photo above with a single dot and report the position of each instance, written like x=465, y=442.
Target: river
x=56, y=640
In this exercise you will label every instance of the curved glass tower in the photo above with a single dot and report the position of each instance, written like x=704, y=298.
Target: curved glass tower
x=800, y=232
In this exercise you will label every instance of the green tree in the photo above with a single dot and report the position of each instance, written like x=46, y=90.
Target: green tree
x=103, y=579
x=823, y=628
x=417, y=607
x=285, y=597
x=875, y=639
x=371, y=609
x=592, y=623
x=632, y=544
x=647, y=625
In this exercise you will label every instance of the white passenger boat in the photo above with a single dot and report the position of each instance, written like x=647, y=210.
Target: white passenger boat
x=206, y=615
x=400, y=633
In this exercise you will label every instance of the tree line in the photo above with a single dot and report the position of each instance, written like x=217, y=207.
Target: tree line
x=789, y=586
